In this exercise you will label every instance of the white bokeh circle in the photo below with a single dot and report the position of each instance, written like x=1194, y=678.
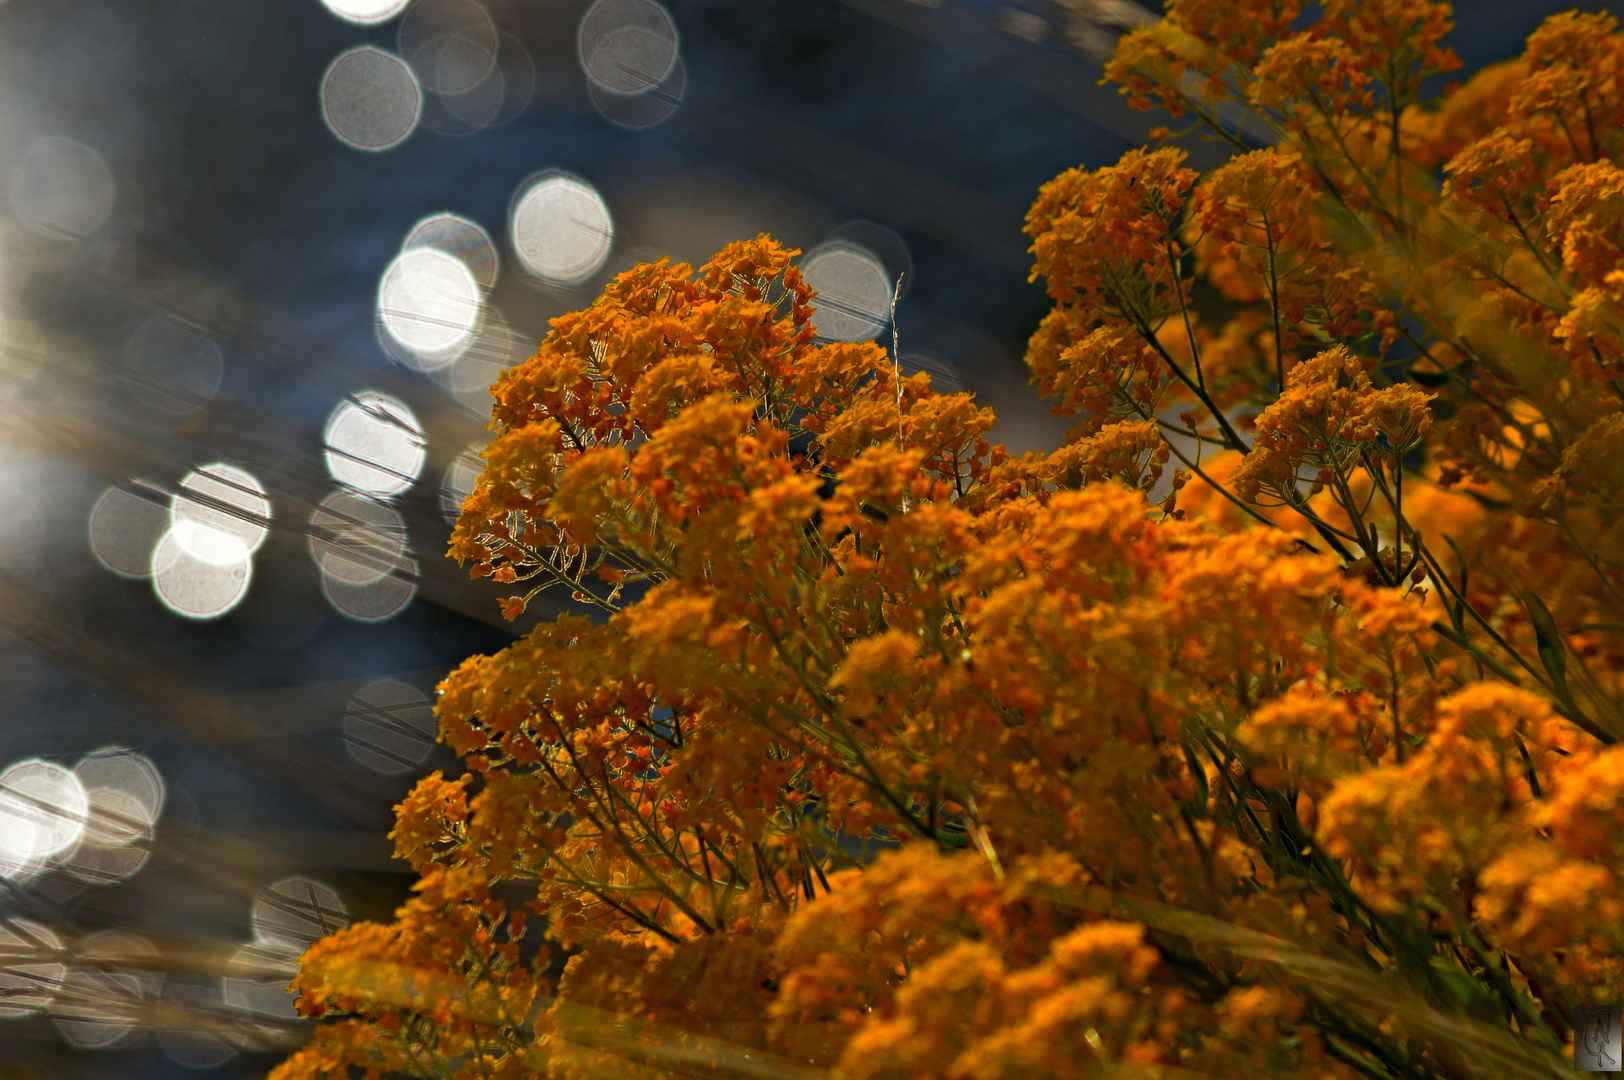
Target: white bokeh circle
x=220, y=514
x=371, y=99
x=365, y=12
x=561, y=229
x=374, y=444
x=854, y=294
x=198, y=588
x=429, y=302
x=43, y=808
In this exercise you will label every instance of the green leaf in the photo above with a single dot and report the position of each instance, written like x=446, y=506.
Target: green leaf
x=1477, y=654
x=1457, y=614
x=1467, y=992
x=1553, y=652
x=1197, y=773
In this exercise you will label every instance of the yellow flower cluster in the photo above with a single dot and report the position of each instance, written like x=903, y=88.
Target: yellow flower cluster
x=890, y=755
x=1328, y=415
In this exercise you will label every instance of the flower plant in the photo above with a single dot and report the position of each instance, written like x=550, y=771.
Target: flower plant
x=887, y=754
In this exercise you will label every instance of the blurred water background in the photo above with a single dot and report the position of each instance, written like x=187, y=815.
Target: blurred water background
x=259, y=262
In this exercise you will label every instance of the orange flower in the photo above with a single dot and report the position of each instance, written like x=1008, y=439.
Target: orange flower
x=893, y=754
x=1108, y=239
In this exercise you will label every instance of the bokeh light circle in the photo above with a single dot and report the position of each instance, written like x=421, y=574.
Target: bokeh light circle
x=116, y=842
x=220, y=514
x=372, y=601
x=43, y=808
x=626, y=46
x=374, y=444
x=494, y=349
x=389, y=727
x=370, y=99
x=103, y=998
x=518, y=74
x=197, y=588
x=171, y=368
x=460, y=115
x=884, y=244
x=357, y=540
x=295, y=912
x=561, y=229
x=461, y=476
x=261, y=987
x=429, y=303
x=854, y=295
x=29, y=982
x=654, y=106
x=126, y=771
x=451, y=44
x=125, y=526
x=460, y=238
x=503, y=93
x=365, y=12
x=62, y=188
